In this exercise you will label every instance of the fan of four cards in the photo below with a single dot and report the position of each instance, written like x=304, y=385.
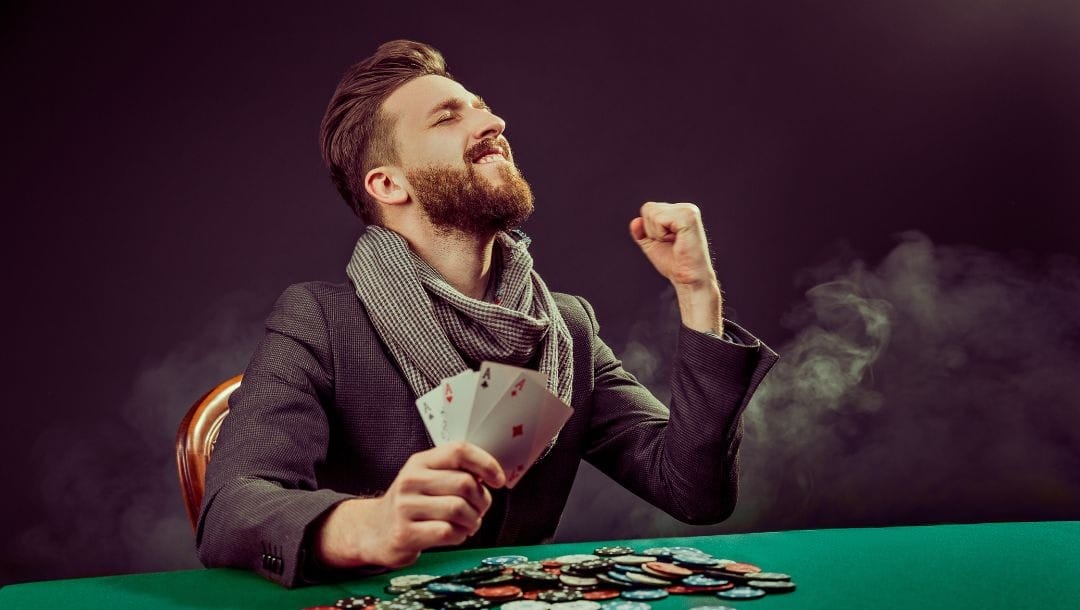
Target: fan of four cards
x=505, y=410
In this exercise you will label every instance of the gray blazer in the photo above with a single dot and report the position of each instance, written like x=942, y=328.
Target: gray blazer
x=324, y=415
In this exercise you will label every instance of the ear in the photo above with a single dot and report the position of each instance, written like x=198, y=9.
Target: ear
x=387, y=185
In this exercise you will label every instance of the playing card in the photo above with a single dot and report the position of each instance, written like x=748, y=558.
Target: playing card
x=507, y=434
x=431, y=412
x=493, y=380
x=456, y=399
x=520, y=425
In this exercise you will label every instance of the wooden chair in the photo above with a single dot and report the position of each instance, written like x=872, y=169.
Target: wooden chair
x=195, y=442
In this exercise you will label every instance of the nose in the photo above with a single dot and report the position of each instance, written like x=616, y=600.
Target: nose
x=489, y=125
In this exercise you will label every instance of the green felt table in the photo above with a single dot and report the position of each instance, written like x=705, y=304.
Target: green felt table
x=998, y=565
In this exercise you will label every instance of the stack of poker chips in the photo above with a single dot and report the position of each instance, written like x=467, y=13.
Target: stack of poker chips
x=612, y=578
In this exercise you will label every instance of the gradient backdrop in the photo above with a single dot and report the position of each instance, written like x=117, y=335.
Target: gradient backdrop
x=890, y=190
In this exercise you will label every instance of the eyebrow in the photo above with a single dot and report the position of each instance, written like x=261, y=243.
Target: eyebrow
x=455, y=103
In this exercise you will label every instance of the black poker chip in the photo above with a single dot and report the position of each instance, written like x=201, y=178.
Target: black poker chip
x=588, y=568
x=613, y=551
x=360, y=601
x=474, y=574
x=558, y=596
x=398, y=605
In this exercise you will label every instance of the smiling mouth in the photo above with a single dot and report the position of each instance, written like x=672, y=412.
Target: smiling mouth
x=490, y=153
x=490, y=158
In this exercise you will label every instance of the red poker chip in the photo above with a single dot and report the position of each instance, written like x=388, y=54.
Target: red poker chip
x=551, y=563
x=500, y=592
x=600, y=594
x=666, y=569
x=530, y=594
x=741, y=568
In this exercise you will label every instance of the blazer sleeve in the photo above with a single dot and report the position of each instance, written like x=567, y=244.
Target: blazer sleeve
x=261, y=484
x=683, y=460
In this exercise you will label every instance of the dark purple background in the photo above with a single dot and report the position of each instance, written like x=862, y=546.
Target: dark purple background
x=163, y=185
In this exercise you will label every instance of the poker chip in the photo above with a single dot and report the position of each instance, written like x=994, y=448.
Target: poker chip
x=411, y=580
x=449, y=588
x=526, y=604
x=600, y=594
x=392, y=590
x=741, y=593
x=644, y=594
x=398, y=605
x=741, y=568
x=658, y=551
x=468, y=603
x=581, y=604
x=687, y=590
x=645, y=579
x=694, y=559
x=636, y=560
x=558, y=596
x=699, y=580
x=360, y=601
x=660, y=568
x=504, y=560
x=498, y=593
x=769, y=576
x=619, y=577
x=626, y=605
x=421, y=595
x=588, y=567
x=614, y=575
x=604, y=578
x=578, y=558
x=773, y=586
x=612, y=551
x=578, y=581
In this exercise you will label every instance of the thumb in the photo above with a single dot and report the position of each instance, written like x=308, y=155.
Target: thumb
x=637, y=229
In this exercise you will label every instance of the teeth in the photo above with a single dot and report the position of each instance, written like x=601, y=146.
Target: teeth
x=489, y=158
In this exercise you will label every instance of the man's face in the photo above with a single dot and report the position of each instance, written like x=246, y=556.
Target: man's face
x=458, y=165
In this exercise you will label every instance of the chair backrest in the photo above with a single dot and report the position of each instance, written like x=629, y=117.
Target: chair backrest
x=195, y=442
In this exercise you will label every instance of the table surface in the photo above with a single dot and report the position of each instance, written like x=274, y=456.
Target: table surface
x=997, y=565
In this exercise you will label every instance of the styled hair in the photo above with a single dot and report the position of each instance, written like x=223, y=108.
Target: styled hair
x=356, y=135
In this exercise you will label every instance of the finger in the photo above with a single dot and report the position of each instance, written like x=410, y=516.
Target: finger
x=653, y=214
x=458, y=484
x=426, y=534
x=468, y=457
x=451, y=509
x=637, y=229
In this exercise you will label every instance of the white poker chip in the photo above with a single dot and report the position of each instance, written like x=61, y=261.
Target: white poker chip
x=411, y=580
x=578, y=581
x=645, y=579
x=725, y=562
x=581, y=604
x=526, y=604
x=566, y=559
x=632, y=560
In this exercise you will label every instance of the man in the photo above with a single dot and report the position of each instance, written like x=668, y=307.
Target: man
x=324, y=469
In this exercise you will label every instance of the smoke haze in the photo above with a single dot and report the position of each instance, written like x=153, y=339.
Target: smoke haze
x=938, y=385
x=110, y=490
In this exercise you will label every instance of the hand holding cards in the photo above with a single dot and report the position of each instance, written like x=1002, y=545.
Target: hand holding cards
x=505, y=410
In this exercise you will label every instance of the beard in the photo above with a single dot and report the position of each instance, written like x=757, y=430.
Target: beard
x=461, y=200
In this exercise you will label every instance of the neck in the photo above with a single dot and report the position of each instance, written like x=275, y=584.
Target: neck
x=464, y=260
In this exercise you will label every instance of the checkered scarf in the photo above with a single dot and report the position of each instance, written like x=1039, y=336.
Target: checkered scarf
x=422, y=318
